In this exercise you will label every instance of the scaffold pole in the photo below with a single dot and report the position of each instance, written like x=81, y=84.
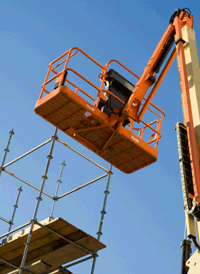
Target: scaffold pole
x=103, y=212
x=39, y=198
x=6, y=150
x=14, y=210
x=57, y=189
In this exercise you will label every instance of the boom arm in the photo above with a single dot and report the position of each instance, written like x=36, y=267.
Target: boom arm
x=179, y=19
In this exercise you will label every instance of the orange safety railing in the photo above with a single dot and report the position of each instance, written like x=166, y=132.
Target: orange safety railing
x=156, y=131
x=154, y=137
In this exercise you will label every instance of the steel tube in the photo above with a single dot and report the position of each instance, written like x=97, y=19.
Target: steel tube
x=65, y=239
x=46, y=91
x=78, y=262
x=12, y=174
x=91, y=128
x=77, y=49
x=63, y=143
x=57, y=189
x=51, y=79
x=6, y=150
x=64, y=70
x=160, y=110
x=108, y=142
x=53, y=69
x=47, y=76
x=82, y=186
x=14, y=210
x=97, y=63
x=151, y=127
x=12, y=265
x=14, y=271
x=18, y=228
x=27, y=153
x=67, y=52
x=39, y=198
x=4, y=220
x=123, y=67
x=77, y=89
x=103, y=212
x=90, y=83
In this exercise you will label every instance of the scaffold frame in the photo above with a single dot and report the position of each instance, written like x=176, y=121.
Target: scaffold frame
x=3, y=168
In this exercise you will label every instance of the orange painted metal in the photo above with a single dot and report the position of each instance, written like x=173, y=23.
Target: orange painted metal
x=127, y=148
x=187, y=110
x=115, y=61
x=132, y=107
x=144, y=82
x=157, y=85
x=85, y=122
x=118, y=146
x=186, y=19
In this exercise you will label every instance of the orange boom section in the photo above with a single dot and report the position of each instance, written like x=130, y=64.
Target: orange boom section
x=94, y=117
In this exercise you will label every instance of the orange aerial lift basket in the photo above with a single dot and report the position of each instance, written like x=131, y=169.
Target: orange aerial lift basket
x=96, y=119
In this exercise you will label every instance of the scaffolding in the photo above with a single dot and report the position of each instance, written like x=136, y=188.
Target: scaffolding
x=51, y=245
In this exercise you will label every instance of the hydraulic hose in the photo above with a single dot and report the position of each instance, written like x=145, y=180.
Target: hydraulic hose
x=193, y=238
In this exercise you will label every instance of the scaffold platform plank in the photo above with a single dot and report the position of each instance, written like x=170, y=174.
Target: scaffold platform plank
x=47, y=246
x=42, y=267
x=36, y=268
x=61, y=271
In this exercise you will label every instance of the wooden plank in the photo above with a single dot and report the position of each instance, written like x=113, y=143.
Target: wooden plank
x=49, y=247
x=91, y=243
x=22, y=239
x=16, y=245
x=11, y=255
x=61, y=271
x=18, y=252
x=46, y=239
x=63, y=255
x=70, y=252
x=36, y=268
x=45, y=244
x=9, y=270
x=13, y=272
x=39, y=267
x=24, y=232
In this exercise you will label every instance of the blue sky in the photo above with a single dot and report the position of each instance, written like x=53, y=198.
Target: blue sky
x=144, y=224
